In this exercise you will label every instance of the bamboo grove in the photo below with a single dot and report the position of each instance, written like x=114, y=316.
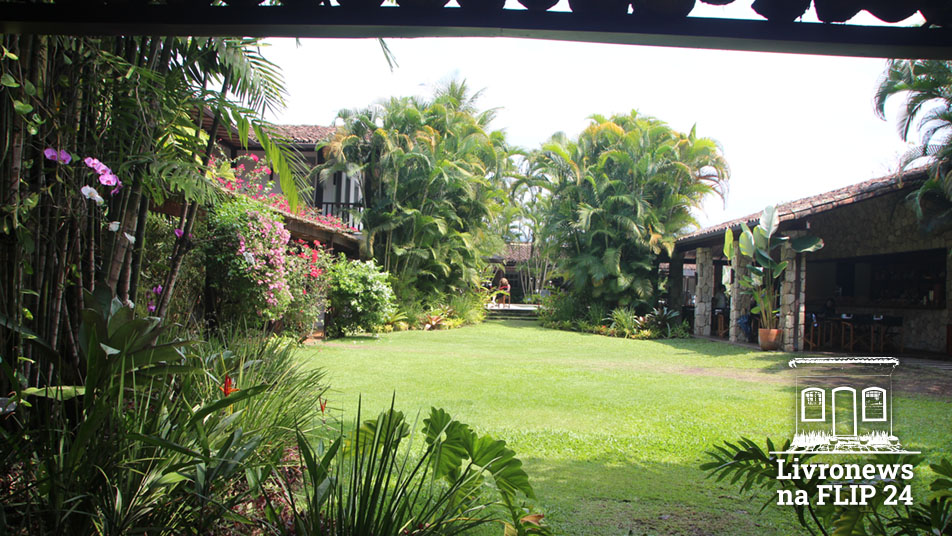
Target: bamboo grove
x=95, y=131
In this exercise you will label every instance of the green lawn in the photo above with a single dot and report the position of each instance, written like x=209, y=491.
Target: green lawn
x=611, y=431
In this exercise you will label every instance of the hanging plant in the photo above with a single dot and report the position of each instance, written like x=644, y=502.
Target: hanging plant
x=837, y=10
x=781, y=10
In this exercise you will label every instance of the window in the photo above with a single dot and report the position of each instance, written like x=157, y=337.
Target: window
x=874, y=404
x=812, y=405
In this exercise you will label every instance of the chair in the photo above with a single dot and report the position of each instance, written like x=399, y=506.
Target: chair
x=721, y=324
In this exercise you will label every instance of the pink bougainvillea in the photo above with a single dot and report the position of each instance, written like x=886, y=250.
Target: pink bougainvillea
x=254, y=183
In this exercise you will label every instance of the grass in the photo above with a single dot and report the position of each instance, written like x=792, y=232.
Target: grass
x=611, y=431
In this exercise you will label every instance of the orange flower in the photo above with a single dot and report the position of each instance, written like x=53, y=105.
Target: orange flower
x=227, y=387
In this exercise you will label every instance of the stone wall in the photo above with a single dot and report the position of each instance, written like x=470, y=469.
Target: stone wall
x=880, y=226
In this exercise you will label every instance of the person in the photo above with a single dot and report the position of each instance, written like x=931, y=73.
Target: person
x=720, y=298
x=504, y=286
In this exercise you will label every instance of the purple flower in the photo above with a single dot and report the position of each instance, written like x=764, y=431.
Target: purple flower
x=115, y=190
x=179, y=233
x=151, y=307
x=157, y=289
x=64, y=157
x=108, y=179
x=50, y=153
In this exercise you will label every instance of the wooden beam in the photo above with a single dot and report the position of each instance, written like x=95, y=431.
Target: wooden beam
x=319, y=21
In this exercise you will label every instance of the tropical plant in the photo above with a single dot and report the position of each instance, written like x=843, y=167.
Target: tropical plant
x=759, y=246
x=662, y=321
x=359, y=297
x=373, y=481
x=620, y=194
x=625, y=322
x=431, y=186
x=752, y=467
x=927, y=111
x=100, y=130
x=246, y=251
x=132, y=448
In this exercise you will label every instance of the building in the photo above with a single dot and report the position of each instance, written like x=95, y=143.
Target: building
x=882, y=276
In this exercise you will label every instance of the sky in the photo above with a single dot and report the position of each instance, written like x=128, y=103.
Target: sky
x=790, y=125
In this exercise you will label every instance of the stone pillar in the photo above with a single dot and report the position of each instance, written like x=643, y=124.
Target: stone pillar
x=676, y=282
x=792, y=297
x=948, y=300
x=704, y=292
x=740, y=302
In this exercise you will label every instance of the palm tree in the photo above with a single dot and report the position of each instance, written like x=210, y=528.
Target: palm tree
x=620, y=195
x=432, y=184
x=927, y=112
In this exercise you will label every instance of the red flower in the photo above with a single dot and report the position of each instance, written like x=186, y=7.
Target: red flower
x=227, y=387
x=323, y=402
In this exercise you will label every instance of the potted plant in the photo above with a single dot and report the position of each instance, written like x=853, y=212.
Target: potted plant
x=759, y=245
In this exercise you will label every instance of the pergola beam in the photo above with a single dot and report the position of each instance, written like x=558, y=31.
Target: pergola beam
x=319, y=21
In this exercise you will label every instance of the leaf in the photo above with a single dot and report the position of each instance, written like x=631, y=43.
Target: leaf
x=803, y=244
x=8, y=81
x=21, y=107
x=729, y=244
x=61, y=392
x=769, y=220
x=226, y=401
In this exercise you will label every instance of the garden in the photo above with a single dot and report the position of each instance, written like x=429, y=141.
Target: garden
x=156, y=298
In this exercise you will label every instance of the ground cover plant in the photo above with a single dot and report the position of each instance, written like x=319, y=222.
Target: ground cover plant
x=612, y=431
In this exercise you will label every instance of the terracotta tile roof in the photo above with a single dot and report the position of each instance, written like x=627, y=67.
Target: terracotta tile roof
x=808, y=206
x=306, y=134
x=515, y=252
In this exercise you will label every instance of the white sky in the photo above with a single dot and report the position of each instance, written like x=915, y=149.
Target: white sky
x=791, y=125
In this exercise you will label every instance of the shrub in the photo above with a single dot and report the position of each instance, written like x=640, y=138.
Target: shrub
x=158, y=439
x=308, y=282
x=469, y=307
x=561, y=307
x=383, y=482
x=359, y=297
x=190, y=285
x=247, y=261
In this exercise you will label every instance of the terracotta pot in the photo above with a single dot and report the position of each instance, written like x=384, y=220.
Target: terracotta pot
x=665, y=9
x=538, y=5
x=599, y=7
x=891, y=10
x=769, y=339
x=837, y=10
x=482, y=5
x=781, y=10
